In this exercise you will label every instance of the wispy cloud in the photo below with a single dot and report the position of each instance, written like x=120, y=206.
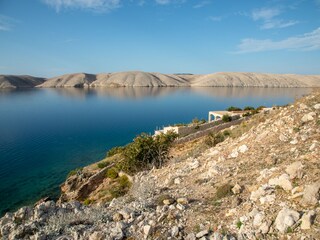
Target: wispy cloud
x=306, y=42
x=94, y=5
x=202, y=4
x=215, y=18
x=6, y=23
x=268, y=17
x=167, y=2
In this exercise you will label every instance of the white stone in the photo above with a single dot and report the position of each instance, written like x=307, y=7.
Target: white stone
x=294, y=141
x=195, y=164
x=264, y=228
x=282, y=181
x=243, y=148
x=175, y=231
x=257, y=219
x=96, y=236
x=234, y=154
x=306, y=220
x=202, y=233
x=317, y=106
x=268, y=199
x=191, y=236
x=311, y=194
x=236, y=189
x=180, y=207
x=285, y=219
x=177, y=181
x=146, y=230
x=295, y=170
x=307, y=117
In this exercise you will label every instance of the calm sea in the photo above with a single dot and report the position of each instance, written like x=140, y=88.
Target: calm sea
x=45, y=133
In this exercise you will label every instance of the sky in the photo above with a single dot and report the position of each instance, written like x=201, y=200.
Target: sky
x=53, y=37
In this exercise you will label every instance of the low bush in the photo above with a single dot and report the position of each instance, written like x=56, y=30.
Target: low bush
x=223, y=191
x=226, y=118
x=87, y=202
x=115, y=150
x=232, y=108
x=214, y=138
x=102, y=164
x=260, y=108
x=112, y=173
x=74, y=172
x=248, y=108
x=121, y=187
x=145, y=152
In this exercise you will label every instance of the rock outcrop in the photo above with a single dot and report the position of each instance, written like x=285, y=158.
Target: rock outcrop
x=268, y=190
x=78, y=80
x=23, y=81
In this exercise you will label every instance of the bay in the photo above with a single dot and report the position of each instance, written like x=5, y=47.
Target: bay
x=45, y=133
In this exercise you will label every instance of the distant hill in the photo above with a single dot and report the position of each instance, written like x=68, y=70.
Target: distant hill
x=146, y=79
x=23, y=81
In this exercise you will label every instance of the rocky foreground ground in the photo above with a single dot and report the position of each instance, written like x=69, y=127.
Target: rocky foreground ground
x=262, y=182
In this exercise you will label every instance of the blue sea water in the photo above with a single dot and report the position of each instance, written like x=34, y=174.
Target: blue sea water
x=45, y=133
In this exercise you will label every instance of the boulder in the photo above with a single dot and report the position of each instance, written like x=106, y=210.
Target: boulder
x=311, y=194
x=282, y=181
x=307, y=220
x=295, y=170
x=286, y=218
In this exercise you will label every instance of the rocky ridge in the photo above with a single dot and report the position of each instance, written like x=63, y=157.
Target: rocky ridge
x=262, y=182
x=146, y=79
x=23, y=81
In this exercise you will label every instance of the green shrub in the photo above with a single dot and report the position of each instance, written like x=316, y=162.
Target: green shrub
x=87, y=202
x=213, y=139
x=115, y=150
x=239, y=224
x=74, y=172
x=248, y=108
x=112, y=173
x=226, y=118
x=195, y=121
x=226, y=133
x=223, y=191
x=121, y=188
x=102, y=164
x=146, y=151
x=232, y=108
x=260, y=108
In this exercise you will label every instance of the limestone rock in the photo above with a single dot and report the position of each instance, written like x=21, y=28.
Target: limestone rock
x=183, y=201
x=282, y=181
x=97, y=236
x=236, y=189
x=307, y=220
x=311, y=194
x=175, y=231
x=202, y=233
x=317, y=106
x=243, y=148
x=295, y=170
x=285, y=219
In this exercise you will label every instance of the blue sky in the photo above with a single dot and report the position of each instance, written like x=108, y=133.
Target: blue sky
x=53, y=37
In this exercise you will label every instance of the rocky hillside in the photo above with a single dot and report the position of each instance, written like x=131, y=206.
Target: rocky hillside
x=261, y=182
x=78, y=80
x=23, y=81
x=145, y=79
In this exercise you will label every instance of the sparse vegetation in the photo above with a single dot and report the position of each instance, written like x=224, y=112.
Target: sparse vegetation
x=214, y=138
x=87, y=202
x=226, y=118
x=232, y=108
x=223, y=191
x=112, y=173
x=74, y=172
x=102, y=164
x=113, y=151
x=121, y=188
x=145, y=152
x=239, y=224
x=248, y=108
x=261, y=107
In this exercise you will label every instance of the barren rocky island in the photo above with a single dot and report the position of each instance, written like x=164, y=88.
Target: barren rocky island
x=146, y=79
